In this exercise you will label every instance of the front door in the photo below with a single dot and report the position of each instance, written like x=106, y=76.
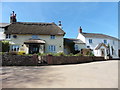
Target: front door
x=33, y=48
x=102, y=52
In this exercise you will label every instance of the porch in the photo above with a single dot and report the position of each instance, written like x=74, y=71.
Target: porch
x=35, y=46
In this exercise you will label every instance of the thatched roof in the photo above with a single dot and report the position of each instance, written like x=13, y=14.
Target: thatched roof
x=2, y=25
x=34, y=28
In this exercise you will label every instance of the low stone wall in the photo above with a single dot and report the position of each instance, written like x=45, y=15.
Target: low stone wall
x=19, y=60
x=52, y=60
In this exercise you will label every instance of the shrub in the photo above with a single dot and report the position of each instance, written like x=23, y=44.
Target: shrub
x=5, y=46
x=21, y=53
x=89, y=54
x=1, y=53
x=59, y=54
x=50, y=54
x=71, y=54
x=79, y=54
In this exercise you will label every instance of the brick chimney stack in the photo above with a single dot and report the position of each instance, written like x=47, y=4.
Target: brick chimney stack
x=80, y=29
x=13, y=17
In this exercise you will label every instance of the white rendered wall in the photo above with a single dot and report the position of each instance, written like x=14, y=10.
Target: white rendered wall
x=97, y=41
x=2, y=35
x=81, y=37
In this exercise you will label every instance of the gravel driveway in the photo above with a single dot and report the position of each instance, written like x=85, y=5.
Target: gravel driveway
x=102, y=74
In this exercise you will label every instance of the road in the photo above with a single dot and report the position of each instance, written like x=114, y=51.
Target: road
x=102, y=74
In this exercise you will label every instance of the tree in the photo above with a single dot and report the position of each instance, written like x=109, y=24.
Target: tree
x=4, y=46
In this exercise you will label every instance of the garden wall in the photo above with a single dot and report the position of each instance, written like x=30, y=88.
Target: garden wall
x=21, y=60
x=52, y=60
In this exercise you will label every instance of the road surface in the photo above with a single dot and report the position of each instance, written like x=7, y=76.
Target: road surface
x=103, y=74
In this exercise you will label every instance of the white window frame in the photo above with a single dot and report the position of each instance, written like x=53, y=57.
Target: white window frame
x=104, y=41
x=90, y=41
x=76, y=47
x=52, y=36
x=52, y=48
x=15, y=48
x=8, y=36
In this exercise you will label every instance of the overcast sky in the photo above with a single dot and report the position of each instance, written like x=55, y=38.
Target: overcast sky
x=93, y=17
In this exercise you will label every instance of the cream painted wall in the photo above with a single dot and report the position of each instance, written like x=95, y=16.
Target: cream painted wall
x=58, y=41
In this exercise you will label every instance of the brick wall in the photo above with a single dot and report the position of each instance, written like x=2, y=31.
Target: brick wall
x=70, y=59
x=20, y=60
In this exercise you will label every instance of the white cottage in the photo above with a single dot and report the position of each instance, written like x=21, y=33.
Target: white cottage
x=101, y=44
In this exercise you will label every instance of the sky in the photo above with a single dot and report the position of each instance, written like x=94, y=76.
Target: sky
x=93, y=17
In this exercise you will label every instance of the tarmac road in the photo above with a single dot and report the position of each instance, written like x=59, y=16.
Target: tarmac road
x=103, y=74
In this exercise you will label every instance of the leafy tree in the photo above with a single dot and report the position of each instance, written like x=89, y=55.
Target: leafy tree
x=4, y=46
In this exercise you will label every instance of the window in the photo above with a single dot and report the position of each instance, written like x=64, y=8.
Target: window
x=52, y=37
x=8, y=36
x=105, y=41
x=90, y=40
x=88, y=46
x=34, y=37
x=113, y=42
x=52, y=48
x=76, y=47
x=15, y=47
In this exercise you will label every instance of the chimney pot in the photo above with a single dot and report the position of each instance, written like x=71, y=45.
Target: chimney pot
x=13, y=17
x=80, y=30
x=59, y=24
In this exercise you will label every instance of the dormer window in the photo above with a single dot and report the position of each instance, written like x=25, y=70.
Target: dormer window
x=52, y=37
x=8, y=36
x=90, y=40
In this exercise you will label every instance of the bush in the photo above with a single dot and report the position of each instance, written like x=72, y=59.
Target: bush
x=89, y=54
x=5, y=46
x=21, y=53
x=71, y=54
x=59, y=54
x=78, y=54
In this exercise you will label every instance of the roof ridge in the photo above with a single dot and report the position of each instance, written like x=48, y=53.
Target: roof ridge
x=33, y=23
x=101, y=34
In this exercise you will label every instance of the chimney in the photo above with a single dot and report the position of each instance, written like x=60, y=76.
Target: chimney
x=80, y=30
x=59, y=24
x=13, y=17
